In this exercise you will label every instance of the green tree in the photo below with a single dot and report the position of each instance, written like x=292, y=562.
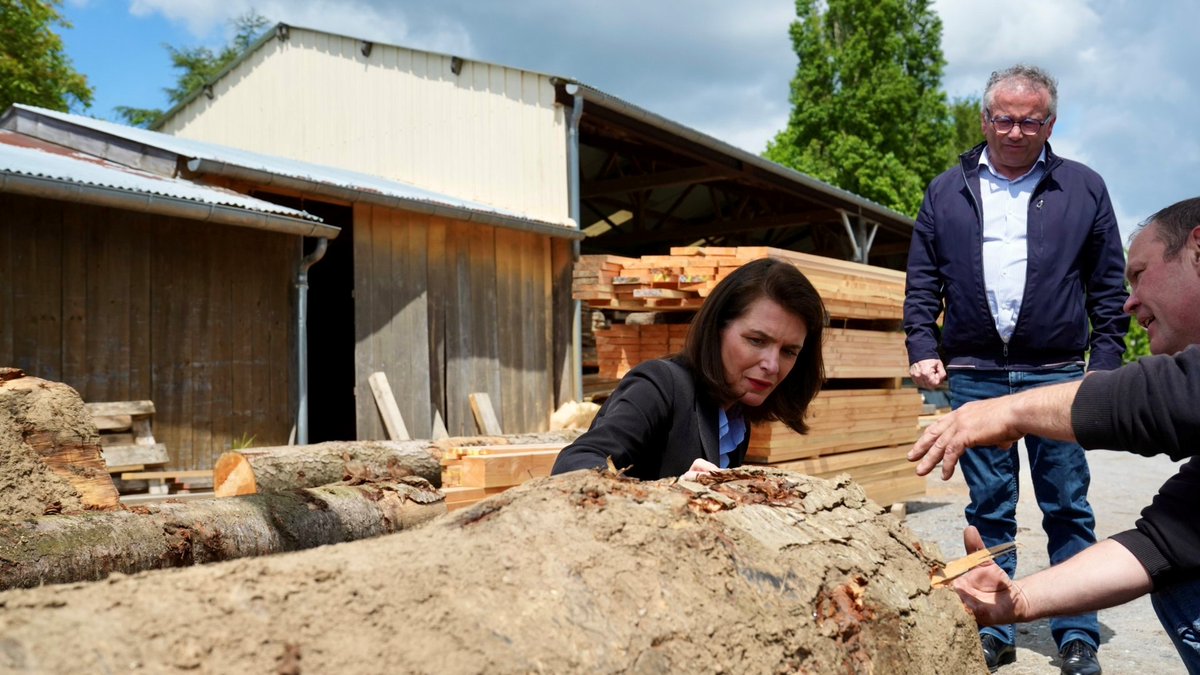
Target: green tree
x=198, y=66
x=868, y=111
x=965, y=131
x=1137, y=343
x=34, y=69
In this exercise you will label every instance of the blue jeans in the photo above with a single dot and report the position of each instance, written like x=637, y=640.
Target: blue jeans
x=1060, y=476
x=1178, y=608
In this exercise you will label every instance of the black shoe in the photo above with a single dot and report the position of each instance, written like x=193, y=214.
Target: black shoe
x=1079, y=658
x=997, y=652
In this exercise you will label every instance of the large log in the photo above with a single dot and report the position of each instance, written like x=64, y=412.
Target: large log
x=757, y=572
x=91, y=546
x=50, y=459
x=277, y=469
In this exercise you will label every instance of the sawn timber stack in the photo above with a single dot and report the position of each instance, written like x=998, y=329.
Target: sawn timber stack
x=862, y=422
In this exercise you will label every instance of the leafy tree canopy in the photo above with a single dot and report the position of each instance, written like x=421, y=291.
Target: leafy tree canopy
x=198, y=66
x=34, y=69
x=868, y=111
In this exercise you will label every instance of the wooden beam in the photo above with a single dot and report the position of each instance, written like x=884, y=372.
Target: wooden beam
x=485, y=416
x=661, y=179
x=388, y=409
x=513, y=468
x=718, y=227
x=120, y=455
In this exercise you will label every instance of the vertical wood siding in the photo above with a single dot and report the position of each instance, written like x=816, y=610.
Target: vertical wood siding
x=126, y=306
x=445, y=309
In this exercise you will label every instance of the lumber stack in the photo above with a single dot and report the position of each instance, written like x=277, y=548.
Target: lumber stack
x=620, y=347
x=682, y=280
x=474, y=472
x=862, y=423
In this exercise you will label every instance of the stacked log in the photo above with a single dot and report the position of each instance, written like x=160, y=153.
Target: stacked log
x=863, y=422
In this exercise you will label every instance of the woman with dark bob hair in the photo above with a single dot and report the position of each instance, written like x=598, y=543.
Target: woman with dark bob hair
x=753, y=353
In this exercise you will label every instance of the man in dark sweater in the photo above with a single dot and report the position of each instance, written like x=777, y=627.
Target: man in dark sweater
x=1149, y=407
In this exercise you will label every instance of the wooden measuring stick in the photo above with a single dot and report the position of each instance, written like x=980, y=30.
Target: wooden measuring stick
x=957, y=568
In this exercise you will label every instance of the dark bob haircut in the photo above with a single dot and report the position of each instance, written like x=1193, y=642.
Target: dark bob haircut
x=782, y=283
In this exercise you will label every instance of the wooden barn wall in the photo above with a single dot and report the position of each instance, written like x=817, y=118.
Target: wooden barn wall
x=127, y=306
x=448, y=308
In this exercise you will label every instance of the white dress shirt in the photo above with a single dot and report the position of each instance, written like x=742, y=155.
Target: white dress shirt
x=1005, y=205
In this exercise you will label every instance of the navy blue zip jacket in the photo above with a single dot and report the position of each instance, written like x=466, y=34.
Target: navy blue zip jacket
x=1074, y=273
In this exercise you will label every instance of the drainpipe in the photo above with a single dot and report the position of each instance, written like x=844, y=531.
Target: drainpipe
x=302, y=337
x=576, y=215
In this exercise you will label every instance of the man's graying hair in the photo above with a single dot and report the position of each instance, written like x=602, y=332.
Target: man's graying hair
x=1175, y=224
x=1030, y=76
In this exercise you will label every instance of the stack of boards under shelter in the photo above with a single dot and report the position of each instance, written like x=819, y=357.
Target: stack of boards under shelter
x=863, y=421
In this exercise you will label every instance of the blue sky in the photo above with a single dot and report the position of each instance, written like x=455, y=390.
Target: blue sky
x=1128, y=83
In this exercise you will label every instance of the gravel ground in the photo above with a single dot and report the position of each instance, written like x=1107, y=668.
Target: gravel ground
x=1131, y=638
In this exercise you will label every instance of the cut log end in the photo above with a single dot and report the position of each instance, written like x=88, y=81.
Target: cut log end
x=233, y=476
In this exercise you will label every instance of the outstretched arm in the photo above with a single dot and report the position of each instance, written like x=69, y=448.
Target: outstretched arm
x=1104, y=575
x=1045, y=411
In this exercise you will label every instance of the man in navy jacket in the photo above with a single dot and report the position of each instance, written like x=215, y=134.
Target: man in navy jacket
x=1021, y=251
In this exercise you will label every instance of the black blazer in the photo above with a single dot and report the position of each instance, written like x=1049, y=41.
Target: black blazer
x=655, y=423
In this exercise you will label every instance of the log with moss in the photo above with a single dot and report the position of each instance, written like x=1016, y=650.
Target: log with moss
x=91, y=546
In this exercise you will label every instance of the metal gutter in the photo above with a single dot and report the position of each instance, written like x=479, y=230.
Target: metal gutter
x=98, y=195
x=302, y=337
x=573, y=196
x=264, y=178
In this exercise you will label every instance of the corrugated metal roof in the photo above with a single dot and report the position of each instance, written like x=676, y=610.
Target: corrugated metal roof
x=294, y=169
x=27, y=156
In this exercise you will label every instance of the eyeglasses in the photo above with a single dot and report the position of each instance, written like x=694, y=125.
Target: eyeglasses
x=1029, y=126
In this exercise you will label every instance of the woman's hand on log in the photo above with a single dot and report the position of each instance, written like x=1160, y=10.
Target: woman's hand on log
x=987, y=591
x=698, y=467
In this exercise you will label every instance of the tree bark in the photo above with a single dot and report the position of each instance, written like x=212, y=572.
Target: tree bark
x=90, y=546
x=276, y=469
x=742, y=571
x=50, y=459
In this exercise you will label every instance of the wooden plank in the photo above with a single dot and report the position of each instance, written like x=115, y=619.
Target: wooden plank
x=41, y=267
x=410, y=372
x=392, y=419
x=218, y=430
x=439, y=427
x=121, y=455
x=488, y=471
x=366, y=298
x=119, y=408
x=140, y=230
x=485, y=416
x=437, y=287
x=509, y=265
x=461, y=350
x=484, y=319
x=173, y=475
x=76, y=372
